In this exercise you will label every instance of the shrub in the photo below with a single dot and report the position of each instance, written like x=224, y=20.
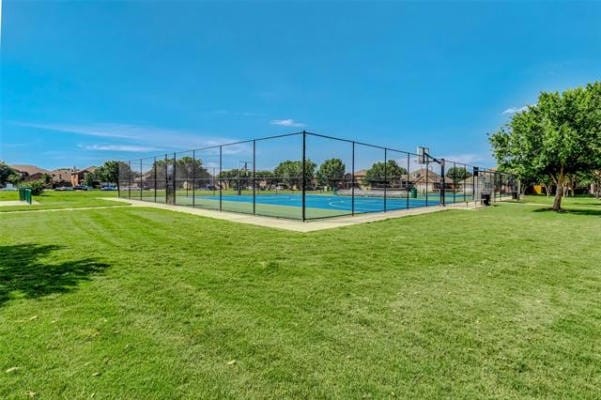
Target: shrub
x=37, y=187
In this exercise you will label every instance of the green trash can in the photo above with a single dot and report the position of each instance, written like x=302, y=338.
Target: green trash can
x=25, y=195
x=413, y=192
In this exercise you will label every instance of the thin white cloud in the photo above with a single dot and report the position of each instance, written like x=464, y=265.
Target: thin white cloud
x=120, y=147
x=513, y=110
x=468, y=158
x=158, y=139
x=287, y=122
x=98, y=130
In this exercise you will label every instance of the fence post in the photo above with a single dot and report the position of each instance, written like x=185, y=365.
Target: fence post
x=427, y=173
x=304, y=162
x=119, y=179
x=474, y=172
x=141, y=182
x=407, y=178
x=443, y=183
x=154, y=167
x=385, y=175
x=129, y=181
x=174, y=178
x=254, y=177
x=353, y=181
x=497, y=185
x=464, y=181
x=193, y=178
x=454, y=182
x=166, y=179
x=220, y=183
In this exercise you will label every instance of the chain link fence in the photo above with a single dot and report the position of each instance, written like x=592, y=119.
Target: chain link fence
x=307, y=176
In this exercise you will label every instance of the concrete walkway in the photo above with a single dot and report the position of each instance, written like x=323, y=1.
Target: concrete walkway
x=11, y=203
x=43, y=210
x=292, y=225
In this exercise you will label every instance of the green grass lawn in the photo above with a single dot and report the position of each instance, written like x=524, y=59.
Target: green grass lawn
x=51, y=199
x=139, y=303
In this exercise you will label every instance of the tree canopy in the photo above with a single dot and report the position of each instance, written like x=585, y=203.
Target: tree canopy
x=235, y=177
x=109, y=171
x=557, y=137
x=290, y=172
x=457, y=174
x=7, y=174
x=187, y=169
x=331, y=172
x=381, y=173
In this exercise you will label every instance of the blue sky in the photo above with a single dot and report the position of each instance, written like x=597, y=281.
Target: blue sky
x=83, y=82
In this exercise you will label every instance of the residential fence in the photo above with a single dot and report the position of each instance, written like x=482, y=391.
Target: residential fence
x=308, y=176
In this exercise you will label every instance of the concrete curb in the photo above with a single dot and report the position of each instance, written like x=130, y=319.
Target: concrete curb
x=297, y=226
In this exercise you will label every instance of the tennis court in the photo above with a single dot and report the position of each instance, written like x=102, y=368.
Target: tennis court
x=306, y=176
x=317, y=205
x=333, y=202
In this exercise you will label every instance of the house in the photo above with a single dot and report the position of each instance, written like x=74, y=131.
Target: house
x=61, y=176
x=30, y=172
x=78, y=177
x=425, y=180
x=359, y=178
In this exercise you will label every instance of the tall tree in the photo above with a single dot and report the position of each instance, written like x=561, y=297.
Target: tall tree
x=457, y=174
x=384, y=174
x=291, y=172
x=188, y=169
x=558, y=137
x=596, y=183
x=89, y=179
x=265, y=175
x=331, y=172
x=228, y=177
x=7, y=174
x=114, y=172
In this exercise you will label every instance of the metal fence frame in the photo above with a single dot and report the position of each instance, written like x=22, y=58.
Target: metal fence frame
x=190, y=172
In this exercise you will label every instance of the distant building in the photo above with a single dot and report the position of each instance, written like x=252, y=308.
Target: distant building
x=30, y=172
x=359, y=178
x=425, y=180
x=78, y=177
x=61, y=176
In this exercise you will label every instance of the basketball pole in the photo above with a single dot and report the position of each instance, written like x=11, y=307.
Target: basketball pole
x=425, y=156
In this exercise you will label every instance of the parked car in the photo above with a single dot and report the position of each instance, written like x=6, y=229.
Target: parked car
x=108, y=187
x=64, y=188
x=80, y=187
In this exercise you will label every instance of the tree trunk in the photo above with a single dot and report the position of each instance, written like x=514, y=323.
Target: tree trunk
x=557, y=200
x=560, y=181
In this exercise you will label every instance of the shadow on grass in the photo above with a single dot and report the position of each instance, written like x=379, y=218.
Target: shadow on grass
x=23, y=272
x=574, y=211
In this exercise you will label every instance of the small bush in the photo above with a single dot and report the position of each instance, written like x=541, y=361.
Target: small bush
x=37, y=187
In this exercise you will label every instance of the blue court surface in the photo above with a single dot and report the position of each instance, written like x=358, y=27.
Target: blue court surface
x=341, y=203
